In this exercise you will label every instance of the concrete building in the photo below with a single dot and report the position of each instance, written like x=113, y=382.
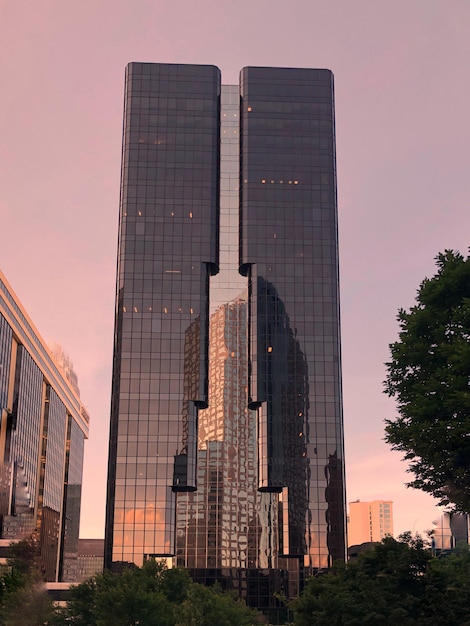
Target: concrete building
x=42, y=432
x=369, y=521
x=226, y=439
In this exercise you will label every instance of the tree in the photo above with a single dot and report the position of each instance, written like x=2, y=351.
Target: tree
x=448, y=586
x=396, y=582
x=24, y=600
x=429, y=376
x=152, y=595
x=22, y=555
x=29, y=605
x=206, y=606
x=133, y=596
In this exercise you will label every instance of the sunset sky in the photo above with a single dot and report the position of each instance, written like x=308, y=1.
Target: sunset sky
x=403, y=150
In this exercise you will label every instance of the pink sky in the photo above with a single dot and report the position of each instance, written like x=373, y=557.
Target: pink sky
x=403, y=137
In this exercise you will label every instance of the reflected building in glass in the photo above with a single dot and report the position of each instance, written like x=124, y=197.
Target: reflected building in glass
x=43, y=427
x=226, y=447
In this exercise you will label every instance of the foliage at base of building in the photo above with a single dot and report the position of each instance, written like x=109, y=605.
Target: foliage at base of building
x=396, y=582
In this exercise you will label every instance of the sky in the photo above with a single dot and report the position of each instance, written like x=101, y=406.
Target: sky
x=403, y=135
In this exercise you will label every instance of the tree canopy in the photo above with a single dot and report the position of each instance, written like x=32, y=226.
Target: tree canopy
x=155, y=596
x=396, y=582
x=152, y=595
x=23, y=597
x=429, y=376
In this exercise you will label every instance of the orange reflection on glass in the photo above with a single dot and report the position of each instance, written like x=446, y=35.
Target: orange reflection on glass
x=147, y=515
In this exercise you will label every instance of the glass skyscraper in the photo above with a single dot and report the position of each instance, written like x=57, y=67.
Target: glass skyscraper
x=226, y=444
x=43, y=427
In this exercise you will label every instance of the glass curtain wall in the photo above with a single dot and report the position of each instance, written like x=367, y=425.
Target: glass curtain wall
x=250, y=385
x=168, y=248
x=289, y=252
x=227, y=523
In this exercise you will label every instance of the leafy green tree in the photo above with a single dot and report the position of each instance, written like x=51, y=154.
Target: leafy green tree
x=121, y=601
x=80, y=609
x=396, y=582
x=207, y=606
x=148, y=596
x=429, y=376
x=131, y=597
x=174, y=584
x=383, y=586
x=24, y=600
x=29, y=605
x=152, y=596
x=22, y=555
x=448, y=588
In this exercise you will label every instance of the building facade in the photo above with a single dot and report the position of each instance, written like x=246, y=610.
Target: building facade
x=369, y=521
x=226, y=445
x=450, y=530
x=90, y=558
x=42, y=432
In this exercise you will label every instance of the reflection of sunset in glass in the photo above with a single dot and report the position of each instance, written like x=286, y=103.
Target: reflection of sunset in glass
x=148, y=515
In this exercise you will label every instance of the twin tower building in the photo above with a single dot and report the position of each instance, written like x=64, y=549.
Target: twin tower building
x=226, y=444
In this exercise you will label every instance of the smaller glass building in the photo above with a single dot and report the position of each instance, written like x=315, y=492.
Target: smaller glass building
x=43, y=426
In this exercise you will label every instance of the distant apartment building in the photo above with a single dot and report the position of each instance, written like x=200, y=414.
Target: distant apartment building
x=369, y=521
x=43, y=427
